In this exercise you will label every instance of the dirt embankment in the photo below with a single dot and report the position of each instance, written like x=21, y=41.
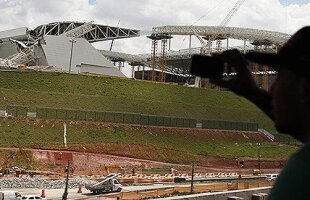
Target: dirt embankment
x=92, y=163
x=99, y=164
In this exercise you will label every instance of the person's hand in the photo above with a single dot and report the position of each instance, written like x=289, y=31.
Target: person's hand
x=242, y=83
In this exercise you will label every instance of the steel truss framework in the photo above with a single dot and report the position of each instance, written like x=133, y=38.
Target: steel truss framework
x=118, y=56
x=248, y=34
x=95, y=32
x=179, y=60
x=140, y=60
x=79, y=31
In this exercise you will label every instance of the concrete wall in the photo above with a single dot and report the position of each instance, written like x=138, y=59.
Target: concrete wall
x=39, y=56
x=245, y=194
x=57, y=50
x=7, y=49
x=17, y=34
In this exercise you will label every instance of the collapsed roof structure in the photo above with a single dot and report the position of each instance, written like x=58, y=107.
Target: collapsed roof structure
x=66, y=46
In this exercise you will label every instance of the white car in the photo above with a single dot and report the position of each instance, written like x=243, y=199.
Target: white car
x=32, y=197
x=271, y=177
x=10, y=195
x=15, y=168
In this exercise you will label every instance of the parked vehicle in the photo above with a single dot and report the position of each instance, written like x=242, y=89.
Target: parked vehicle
x=271, y=177
x=32, y=197
x=10, y=195
x=109, y=184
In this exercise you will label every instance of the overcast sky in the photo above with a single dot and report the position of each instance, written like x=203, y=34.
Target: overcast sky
x=276, y=15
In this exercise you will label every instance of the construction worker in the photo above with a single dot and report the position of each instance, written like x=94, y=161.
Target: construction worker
x=287, y=104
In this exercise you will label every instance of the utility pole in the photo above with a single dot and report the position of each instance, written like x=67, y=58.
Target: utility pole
x=192, y=180
x=68, y=169
x=72, y=42
x=258, y=155
x=65, y=134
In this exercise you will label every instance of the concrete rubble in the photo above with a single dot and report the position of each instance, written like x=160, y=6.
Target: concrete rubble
x=42, y=183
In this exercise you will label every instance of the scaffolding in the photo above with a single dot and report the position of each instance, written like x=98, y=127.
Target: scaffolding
x=262, y=46
x=153, y=60
x=163, y=60
x=265, y=78
x=121, y=64
x=163, y=37
x=219, y=38
x=255, y=72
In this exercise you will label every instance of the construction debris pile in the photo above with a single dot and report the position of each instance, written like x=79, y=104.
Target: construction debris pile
x=40, y=182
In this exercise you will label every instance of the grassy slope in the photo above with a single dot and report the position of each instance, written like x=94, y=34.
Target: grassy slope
x=174, y=145
x=114, y=94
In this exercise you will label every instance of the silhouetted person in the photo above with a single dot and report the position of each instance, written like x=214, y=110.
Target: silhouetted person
x=133, y=171
x=287, y=104
x=242, y=164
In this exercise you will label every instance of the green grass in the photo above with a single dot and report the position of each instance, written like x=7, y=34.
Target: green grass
x=57, y=90
x=44, y=134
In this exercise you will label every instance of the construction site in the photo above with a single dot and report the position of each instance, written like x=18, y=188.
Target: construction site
x=67, y=47
x=73, y=126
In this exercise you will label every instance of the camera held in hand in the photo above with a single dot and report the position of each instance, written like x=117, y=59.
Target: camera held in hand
x=207, y=66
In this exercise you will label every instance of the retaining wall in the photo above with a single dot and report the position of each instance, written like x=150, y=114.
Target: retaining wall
x=245, y=194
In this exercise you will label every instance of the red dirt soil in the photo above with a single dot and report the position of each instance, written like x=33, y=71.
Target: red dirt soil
x=89, y=159
x=102, y=164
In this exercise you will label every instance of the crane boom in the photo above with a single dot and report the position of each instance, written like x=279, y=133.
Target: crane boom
x=203, y=43
x=228, y=17
x=225, y=21
x=213, y=37
x=231, y=13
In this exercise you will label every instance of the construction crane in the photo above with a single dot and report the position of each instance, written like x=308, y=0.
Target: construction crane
x=231, y=13
x=207, y=47
x=204, y=46
x=224, y=22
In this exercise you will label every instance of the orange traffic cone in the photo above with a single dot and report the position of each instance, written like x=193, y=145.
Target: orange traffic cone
x=80, y=189
x=43, y=193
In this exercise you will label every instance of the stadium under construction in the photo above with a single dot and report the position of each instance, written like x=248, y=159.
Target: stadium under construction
x=67, y=47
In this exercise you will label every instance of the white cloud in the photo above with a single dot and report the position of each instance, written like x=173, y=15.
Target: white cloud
x=264, y=14
x=277, y=15
x=297, y=2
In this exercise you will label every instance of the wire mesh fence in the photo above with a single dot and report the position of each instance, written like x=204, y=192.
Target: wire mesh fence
x=130, y=118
